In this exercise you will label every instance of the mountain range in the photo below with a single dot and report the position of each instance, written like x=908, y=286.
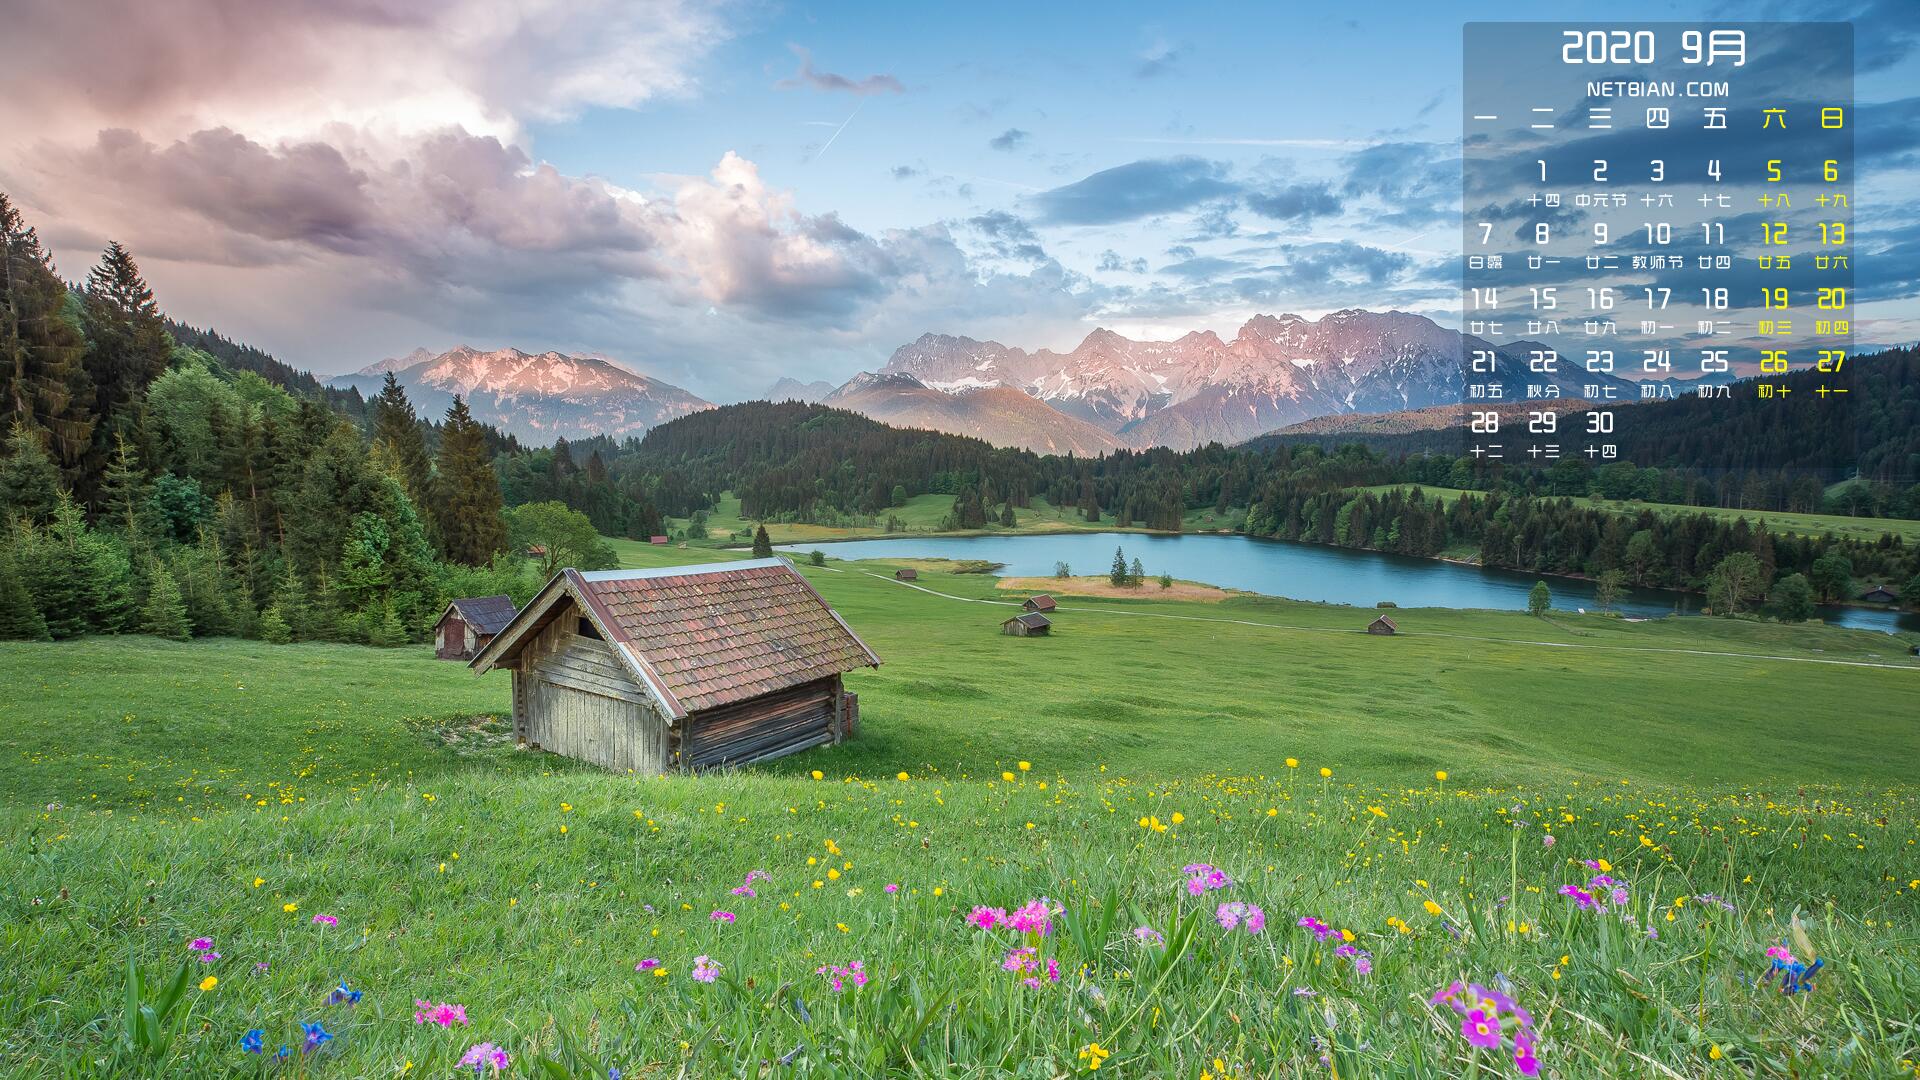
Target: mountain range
x=1108, y=393
x=1111, y=390
x=536, y=396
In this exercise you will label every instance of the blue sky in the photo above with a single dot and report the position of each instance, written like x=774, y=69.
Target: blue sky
x=720, y=196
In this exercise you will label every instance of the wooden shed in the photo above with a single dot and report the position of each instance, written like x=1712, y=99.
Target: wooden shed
x=679, y=668
x=1383, y=625
x=1880, y=594
x=468, y=624
x=1041, y=603
x=906, y=573
x=1029, y=625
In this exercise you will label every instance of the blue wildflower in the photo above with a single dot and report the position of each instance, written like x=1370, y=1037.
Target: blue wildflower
x=1795, y=975
x=315, y=1036
x=345, y=995
x=253, y=1041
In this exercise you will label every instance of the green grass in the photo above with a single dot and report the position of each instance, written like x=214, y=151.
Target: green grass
x=1778, y=522
x=925, y=514
x=149, y=785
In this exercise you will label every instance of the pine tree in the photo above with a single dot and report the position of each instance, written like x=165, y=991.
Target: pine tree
x=101, y=575
x=19, y=619
x=1117, y=576
x=128, y=347
x=1136, y=573
x=123, y=488
x=29, y=482
x=397, y=435
x=165, y=614
x=385, y=629
x=762, y=543
x=1006, y=516
x=43, y=377
x=273, y=628
x=470, y=527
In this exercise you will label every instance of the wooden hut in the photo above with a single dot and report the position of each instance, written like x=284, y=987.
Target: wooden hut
x=468, y=624
x=657, y=541
x=679, y=668
x=906, y=573
x=1030, y=624
x=1879, y=594
x=1042, y=603
x=1383, y=625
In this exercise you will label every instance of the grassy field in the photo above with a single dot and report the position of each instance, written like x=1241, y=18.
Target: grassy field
x=1730, y=774
x=1856, y=528
x=924, y=514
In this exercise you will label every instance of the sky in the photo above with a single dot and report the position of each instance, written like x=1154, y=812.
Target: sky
x=719, y=195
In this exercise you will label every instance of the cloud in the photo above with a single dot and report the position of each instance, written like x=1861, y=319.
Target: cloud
x=1008, y=236
x=828, y=81
x=1135, y=190
x=1159, y=59
x=1294, y=202
x=906, y=172
x=1202, y=267
x=1010, y=139
x=274, y=69
x=1110, y=260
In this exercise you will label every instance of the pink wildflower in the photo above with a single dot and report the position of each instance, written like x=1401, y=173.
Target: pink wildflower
x=446, y=1014
x=1481, y=1029
x=986, y=918
x=892, y=887
x=721, y=916
x=201, y=944
x=648, y=964
x=482, y=1056
x=326, y=920
x=705, y=969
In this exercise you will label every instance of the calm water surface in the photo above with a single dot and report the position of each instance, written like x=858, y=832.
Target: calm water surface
x=1299, y=572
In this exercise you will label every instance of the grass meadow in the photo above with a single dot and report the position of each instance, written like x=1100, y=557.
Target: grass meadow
x=1226, y=839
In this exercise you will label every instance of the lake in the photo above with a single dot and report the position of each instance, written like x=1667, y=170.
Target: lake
x=1299, y=572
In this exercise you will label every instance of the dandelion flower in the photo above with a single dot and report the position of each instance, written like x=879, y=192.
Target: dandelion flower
x=1325, y=772
x=209, y=983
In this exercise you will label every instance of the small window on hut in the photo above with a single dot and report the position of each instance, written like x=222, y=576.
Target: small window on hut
x=587, y=629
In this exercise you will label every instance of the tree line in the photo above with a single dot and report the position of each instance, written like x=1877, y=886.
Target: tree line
x=176, y=486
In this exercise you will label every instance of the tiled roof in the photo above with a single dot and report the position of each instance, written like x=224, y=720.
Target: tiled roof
x=486, y=614
x=1032, y=620
x=726, y=632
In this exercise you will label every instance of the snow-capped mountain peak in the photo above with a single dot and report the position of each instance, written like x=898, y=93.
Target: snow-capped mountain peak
x=537, y=396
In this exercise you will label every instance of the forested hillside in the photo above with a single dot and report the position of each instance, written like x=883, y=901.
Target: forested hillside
x=197, y=486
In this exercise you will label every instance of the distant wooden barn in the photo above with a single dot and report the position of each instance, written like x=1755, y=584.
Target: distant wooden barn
x=1383, y=625
x=907, y=573
x=657, y=540
x=679, y=668
x=1041, y=603
x=468, y=624
x=1032, y=624
x=1880, y=594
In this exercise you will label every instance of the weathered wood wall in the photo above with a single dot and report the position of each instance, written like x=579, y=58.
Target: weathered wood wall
x=765, y=727
x=578, y=700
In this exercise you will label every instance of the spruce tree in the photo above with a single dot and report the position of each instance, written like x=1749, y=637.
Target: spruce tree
x=29, y=482
x=273, y=628
x=19, y=618
x=123, y=489
x=1117, y=575
x=467, y=510
x=397, y=436
x=43, y=377
x=127, y=348
x=165, y=614
x=1136, y=573
x=762, y=543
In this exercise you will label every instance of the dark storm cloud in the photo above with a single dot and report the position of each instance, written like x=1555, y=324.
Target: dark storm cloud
x=1136, y=190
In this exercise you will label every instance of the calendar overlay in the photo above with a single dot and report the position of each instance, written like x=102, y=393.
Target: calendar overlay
x=1653, y=212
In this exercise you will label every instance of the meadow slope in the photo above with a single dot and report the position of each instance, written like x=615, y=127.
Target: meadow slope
x=1729, y=774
